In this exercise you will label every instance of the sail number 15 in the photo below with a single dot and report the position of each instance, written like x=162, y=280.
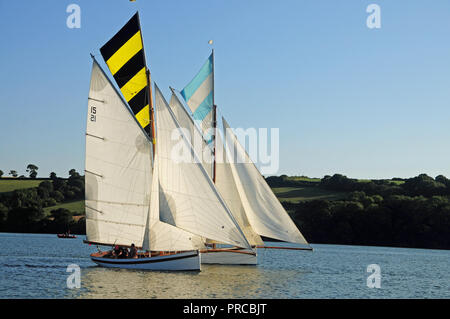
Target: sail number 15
x=93, y=114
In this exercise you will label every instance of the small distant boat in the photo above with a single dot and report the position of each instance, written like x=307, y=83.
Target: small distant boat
x=66, y=236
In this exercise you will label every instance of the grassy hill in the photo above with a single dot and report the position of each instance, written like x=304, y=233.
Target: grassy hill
x=305, y=193
x=74, y=206
x=9, y=185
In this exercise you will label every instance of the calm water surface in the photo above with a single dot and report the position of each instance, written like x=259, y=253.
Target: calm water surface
x=35, y=266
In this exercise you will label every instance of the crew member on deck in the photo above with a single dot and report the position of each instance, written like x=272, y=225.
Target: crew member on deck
x=133, y=252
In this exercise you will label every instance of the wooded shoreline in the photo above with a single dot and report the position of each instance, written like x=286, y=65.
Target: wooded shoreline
x=412, y=213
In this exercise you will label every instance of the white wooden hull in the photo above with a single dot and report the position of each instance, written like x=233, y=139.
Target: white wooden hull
x=229, y=257
x=189, y=260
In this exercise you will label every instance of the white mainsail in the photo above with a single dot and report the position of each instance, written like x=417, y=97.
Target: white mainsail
x=264, y=211
x=191, y=200
x=118, y=169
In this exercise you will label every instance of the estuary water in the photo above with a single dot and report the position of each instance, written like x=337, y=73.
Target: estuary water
x=35, y=266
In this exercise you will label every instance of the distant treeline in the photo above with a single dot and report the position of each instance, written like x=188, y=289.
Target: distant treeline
x=31, y=170
x=412, y=212
x=22, y=210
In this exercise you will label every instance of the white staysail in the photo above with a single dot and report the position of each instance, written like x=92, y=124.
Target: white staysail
x=265, y=213
x=118, y=169
x=226, y=185
x=160, y=236
x=191, y=199
x=185, y=120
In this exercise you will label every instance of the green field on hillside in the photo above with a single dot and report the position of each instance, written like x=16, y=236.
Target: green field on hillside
x=297, y=194
x=9, y=185
x=284, y=194
x=75, y=207
x=303, y=179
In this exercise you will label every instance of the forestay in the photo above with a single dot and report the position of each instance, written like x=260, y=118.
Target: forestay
x=265, y=213
x=118, y=169
x=191, y=199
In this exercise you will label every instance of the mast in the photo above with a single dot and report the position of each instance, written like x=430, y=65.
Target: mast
x=152, y=112
x=214, y=121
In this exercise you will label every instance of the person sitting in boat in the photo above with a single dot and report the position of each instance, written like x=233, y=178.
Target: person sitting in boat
x=133, y=252
x=123, y=253
x=116, y=252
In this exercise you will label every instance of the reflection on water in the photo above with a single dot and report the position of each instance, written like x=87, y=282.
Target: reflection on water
x=214, y=281
x=35, y=266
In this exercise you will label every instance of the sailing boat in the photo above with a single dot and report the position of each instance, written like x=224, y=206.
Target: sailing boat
x=251, y=200
x=136, y=193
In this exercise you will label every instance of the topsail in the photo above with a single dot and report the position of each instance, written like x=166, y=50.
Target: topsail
x=199, y=96
x=124, y=54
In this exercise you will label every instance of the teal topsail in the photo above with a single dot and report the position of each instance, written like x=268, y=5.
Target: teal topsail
x=199, y=96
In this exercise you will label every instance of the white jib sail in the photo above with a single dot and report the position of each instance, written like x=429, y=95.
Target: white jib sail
x=189, y=195
x=186, y=122
x=264, y=211
x=226, y=185
x=118, y=167
x=160, y=236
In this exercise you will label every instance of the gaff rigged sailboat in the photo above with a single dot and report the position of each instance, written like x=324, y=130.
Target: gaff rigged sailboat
x=247, y=194
x=136, y=192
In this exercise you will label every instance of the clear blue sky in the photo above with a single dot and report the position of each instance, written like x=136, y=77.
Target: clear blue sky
x=367, y=103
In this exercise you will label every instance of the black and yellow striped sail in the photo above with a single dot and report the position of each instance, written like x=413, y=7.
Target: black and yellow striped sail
x=125, y=57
